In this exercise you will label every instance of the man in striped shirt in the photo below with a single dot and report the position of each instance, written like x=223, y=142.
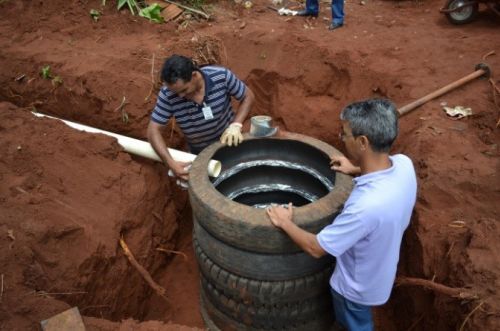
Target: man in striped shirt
x=200, y=101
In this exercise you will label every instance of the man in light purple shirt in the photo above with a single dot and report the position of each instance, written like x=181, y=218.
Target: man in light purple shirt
x=366, y=237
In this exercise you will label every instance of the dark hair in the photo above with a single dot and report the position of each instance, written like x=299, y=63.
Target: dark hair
x=377, y=119
x=177, y=67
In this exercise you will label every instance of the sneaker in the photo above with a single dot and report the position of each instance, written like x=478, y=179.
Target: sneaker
x=305, y=12
x=334, y=26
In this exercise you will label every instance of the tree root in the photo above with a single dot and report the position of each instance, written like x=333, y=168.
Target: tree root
x=170, y=251
x=147, y=277
x=459, y=293
x=152, y=78
x=470, y=314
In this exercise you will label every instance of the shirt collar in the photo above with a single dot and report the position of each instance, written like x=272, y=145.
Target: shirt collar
x=373, y=176
x=208, y=83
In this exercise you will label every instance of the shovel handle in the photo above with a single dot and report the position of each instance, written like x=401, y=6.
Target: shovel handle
x=482, y=69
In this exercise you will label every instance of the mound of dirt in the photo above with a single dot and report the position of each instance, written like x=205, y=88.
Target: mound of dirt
x=67, y=197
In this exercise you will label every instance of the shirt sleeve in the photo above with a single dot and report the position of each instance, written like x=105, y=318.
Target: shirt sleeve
x=235, y=86
x=162, y=111
x=346, y=230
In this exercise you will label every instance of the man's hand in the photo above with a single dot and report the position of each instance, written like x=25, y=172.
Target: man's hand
x=232, y=135
x=280, y=215
x=180, y=169
x=282, y=218
x=342, y=164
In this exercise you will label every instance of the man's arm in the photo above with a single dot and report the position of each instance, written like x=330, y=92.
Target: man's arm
x=245, y=106
x=232, y=135
x=282, y=218
x=156, y=140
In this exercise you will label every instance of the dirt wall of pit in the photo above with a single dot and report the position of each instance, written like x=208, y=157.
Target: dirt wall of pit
x=67, y=198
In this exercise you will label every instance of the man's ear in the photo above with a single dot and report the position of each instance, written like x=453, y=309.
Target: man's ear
x=364, y=143
x=195, y=74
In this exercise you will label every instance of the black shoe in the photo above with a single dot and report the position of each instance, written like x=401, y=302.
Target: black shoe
x=305, y=12
x=334, y=26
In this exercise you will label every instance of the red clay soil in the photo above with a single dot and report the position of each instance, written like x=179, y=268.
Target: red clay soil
x=66, y=197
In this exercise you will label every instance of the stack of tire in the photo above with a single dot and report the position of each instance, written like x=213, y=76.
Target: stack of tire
x=253, y=277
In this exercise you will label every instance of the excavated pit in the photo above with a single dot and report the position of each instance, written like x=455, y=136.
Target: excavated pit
x=256, y=179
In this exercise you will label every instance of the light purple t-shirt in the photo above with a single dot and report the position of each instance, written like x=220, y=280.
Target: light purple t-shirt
x=366, y=237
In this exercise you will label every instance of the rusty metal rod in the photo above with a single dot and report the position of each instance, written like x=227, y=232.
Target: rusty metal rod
x=481, y=69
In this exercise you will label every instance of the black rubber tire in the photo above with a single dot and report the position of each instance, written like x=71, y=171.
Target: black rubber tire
x=258, y=292
x=268, y=316
x=218, y=321
x=464, y=16
x=249, y=228
x=271, y=267
x=291, y=177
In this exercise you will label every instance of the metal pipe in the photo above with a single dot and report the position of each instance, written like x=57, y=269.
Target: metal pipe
x=481, y=69
x=139, y=147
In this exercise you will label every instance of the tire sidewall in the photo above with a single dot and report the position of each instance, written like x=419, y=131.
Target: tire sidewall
x=249, y=228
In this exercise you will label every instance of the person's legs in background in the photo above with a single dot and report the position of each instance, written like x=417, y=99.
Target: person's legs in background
x=350, y=315
x=312, y=7
x=337, y=14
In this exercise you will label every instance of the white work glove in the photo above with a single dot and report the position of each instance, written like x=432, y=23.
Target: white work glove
x=232, y=135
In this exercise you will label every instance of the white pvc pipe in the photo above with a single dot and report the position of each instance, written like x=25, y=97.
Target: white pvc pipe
x=141, y=148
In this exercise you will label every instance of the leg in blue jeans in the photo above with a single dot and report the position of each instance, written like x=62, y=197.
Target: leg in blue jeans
x=351, y=315
x=312, y=6
x=338, y=12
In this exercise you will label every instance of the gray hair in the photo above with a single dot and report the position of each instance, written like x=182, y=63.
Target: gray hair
x=377, y=119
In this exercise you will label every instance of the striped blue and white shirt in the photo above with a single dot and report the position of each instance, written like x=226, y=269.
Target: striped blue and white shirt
x=220, y=85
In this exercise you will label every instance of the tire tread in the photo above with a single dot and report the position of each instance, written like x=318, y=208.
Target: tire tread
x=261, y=291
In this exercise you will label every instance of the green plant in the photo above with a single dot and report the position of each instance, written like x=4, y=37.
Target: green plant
x=132, y=5
x=152, y=13
x=45, y=72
